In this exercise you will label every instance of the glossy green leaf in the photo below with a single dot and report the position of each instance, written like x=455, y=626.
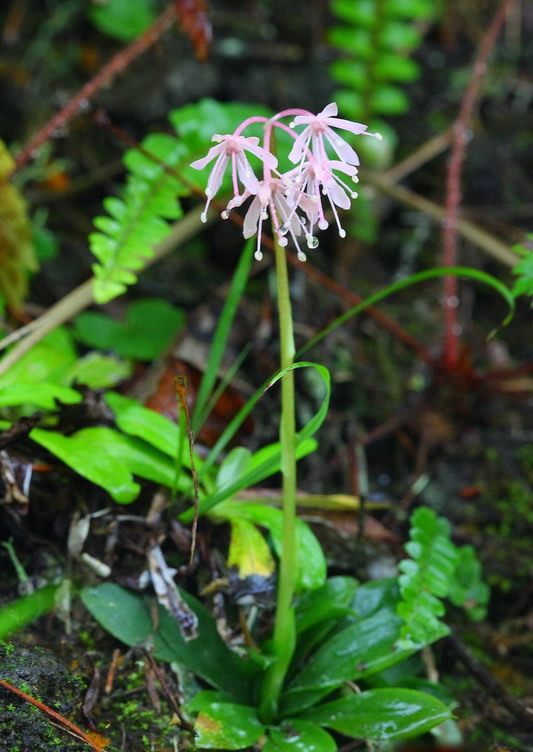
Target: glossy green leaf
x=99, y=371
x=234, y=465
x=326, y=602
x=129, y=617
x=381, y=714
x=44, y=395
x=359, y=650
x=224, y=725
x=22, y=611
x=311, y=564
x=452, y=271
x=148, y=329
x=49, y=360
x=136, y=420
x=122, y=18
x=375, y=595
x=248, y=550
x=87, y=459
x=295, y=735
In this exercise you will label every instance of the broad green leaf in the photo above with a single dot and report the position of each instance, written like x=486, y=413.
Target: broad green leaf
x=234, y=465
x=295, y=735
x=49, y=360
x=311, y=564
x=326, y=602
x=149, y=327
x=248, y=550
x=360, y=14
x=99, y=371
x=43, y=395
x=86, y=459
x=129, y=617
x=389, y=100
x=122, y=18
x=395, y=68
x=22, y=611
x=224, y=725
x=399, y=36
x=381, y=714
x=374, y=595
x=359, y=650
x=136, y=420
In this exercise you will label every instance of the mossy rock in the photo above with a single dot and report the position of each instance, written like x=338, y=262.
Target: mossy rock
x=23, y=727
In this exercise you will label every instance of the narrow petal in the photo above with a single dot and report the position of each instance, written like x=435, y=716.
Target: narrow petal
x=217, y=175
x=341, y=147
x=199, y=164
x=346, y=125
x=237, y=200
x=300, y=145
x=338, y=196
x=329, y=111
x=251, y=219
x=246, y=174
x=264, y=155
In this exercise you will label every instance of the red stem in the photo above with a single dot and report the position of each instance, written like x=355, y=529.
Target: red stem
x=453, y=183
x=116, y=65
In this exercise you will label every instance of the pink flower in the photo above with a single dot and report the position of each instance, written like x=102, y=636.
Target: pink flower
x=269, y=195
x=319, y=129
x=234, y=148
x=311, y=179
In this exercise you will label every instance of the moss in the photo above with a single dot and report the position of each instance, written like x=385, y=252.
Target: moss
x=41, y=675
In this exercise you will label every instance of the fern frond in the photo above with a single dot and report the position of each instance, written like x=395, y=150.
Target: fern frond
x=425, y=578
x=140, y=218
x=524, y=269
x=437, y=569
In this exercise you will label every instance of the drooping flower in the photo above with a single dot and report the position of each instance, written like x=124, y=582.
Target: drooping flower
x=319, y=129
x=313, y=179
x=232, y=148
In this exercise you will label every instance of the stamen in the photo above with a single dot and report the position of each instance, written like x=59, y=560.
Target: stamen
x=224, y=214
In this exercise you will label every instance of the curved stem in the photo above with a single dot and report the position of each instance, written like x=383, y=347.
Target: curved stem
x=284, y=637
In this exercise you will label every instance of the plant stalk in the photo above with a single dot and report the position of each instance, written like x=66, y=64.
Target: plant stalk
x=284, y=637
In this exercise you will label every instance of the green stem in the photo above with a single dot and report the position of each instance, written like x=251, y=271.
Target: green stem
x=284, y=637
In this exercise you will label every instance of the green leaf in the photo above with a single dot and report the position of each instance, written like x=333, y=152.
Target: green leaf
x=129, y=617
x=224, y=725
x=311, y=564
x=359, y=650
x=399, y=36
x=296, y=735
x=452, y=271
x=362, y=13
x=49, y=360
x=22, y=611
x=381, y=714
x=467, y=588
x=150, y=325
x=234, y=465
x=350, y=73
x=122, y=18
x=326, y=602
x=42, y=395
x=136, y=420
x=86, y=459
x=524, y=269
x=411, y=9
x=389, y=100
x=375, y=595
x=248, y=550
x=99, y=371
x=396, y=68
x=356, y=42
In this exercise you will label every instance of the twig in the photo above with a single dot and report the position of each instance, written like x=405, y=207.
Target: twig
x=52, y=713
x=490, y=683
x=116, y=65
x=453, y=182
x=484, y=240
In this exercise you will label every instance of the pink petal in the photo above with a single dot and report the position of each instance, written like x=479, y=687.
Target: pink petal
x=264, y=155
x=246, y=174
x=341, y=147
x=199, y=164
x=338, y=196
x=346, y=125
x=329, y=111
x=251, y=219
x=238, y=200
x=217, y=175
x=300, y=145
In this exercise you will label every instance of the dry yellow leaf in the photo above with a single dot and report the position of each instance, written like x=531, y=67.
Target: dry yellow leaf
x=17, y=254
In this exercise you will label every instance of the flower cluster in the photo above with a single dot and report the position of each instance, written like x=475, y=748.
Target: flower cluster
x=293, y=199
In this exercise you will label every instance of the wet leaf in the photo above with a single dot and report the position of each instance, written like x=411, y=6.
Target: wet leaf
x=381, y=714
x=327, y=602
x=296, y=735
x=224, y=725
